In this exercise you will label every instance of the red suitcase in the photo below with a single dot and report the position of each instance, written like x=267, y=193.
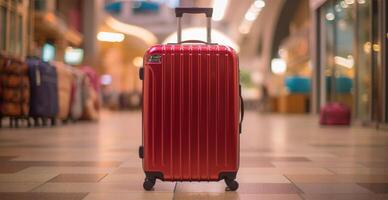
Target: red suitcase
x=191, y=108
x=335, y=114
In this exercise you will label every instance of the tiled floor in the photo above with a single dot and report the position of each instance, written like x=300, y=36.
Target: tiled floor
x=282, y=157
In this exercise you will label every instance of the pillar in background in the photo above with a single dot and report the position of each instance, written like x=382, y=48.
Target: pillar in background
x=92, y=16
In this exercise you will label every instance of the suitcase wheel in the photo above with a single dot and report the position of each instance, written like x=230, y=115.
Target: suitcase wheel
x=232, y=185
x=149, y=184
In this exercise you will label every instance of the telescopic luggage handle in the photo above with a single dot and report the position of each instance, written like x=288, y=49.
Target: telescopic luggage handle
x=207, y=11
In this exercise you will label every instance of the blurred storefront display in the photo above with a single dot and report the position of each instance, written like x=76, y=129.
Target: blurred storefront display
x=351, y=56
x=15, y=27
x=290, y=79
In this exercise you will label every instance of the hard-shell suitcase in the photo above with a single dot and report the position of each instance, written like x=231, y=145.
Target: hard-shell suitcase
x=191, y=104
x=335, y=114
x=44, y=94
x=65, y=81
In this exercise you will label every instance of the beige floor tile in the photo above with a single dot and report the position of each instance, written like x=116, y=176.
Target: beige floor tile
x=270, y=197
x=360, y=171
x=123, y=178
x=18, y=187
x=130, y=196
x=58, y=170
x=261, y=178
x=286, y=170
x=26, y=177
x=103, y=187
x=210, y=187
x=327, y=188
x=341, y=197
x=338, y=178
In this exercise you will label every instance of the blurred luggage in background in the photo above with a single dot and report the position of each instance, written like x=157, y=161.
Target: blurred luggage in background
x=129, y=100
x=76, y=103
x=14, y=90
x=335, y=114
x=44, y=91
x=65, y=81
x=91, y=99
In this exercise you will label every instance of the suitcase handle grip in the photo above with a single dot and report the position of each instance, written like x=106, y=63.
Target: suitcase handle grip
x=207, y=11
x=192, y=41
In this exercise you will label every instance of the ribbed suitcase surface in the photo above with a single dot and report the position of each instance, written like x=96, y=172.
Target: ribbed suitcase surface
x=191, y=111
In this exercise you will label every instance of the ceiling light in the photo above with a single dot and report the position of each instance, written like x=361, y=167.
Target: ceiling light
x=349, y=2
x=136, y=31
x=278, y=66
x=259, y=3
x=138, y=61
x=250, y=16
x=330, y=16
x=343, y=4
x=219, y=8
x=110, y=37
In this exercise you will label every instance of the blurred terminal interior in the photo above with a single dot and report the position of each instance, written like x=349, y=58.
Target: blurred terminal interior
x=295, y=55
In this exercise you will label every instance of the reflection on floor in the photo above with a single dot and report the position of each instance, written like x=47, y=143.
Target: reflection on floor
x=282, y=157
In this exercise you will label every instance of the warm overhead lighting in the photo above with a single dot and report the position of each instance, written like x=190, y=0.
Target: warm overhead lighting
x=344, y=62
x=219, y=8
x=367, y=47
x=245, y=27
x=199, y=33
x=141, y=33
x=259, y=4
x=349, y=2
x=330, y=16
x=278, y=66
x=343, y=4
x=376, y=47
x=338, y=8
x=138, y=61
x=361, y=1
x=250, y=16
x=110, y=37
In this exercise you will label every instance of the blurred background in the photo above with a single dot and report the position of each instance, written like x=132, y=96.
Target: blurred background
x=295, y=55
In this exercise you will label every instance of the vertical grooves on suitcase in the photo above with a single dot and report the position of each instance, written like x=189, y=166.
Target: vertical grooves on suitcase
x=190, y=107
x=217, y=101
x=163, y=99
x=181, y=70
x=198, y=111
x=227, y=111
x=172, y=111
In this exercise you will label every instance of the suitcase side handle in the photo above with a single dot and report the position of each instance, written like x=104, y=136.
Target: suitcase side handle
x=207, y=11
x=241, y=110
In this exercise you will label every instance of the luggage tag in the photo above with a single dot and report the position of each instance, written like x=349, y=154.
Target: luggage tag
x=37, y=77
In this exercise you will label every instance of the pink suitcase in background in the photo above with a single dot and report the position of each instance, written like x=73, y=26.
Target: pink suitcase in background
x=335, y=114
